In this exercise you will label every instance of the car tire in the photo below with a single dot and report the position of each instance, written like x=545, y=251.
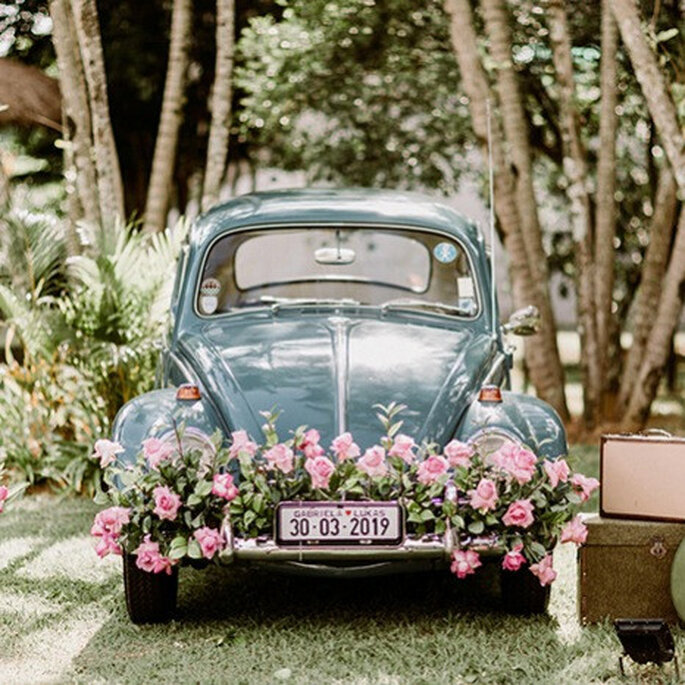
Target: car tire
x=150, y=597
x=522, y=593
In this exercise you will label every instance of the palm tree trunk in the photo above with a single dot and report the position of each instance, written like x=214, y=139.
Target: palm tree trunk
x=543, y=357
x=605, y=216
x=646, y=302
x=217, y=147
x=575, y=169
x=164, y=157
x=653, y=84
x=106, y=159
x=76, y=112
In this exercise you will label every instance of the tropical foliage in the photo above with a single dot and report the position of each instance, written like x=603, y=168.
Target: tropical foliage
x=169, y=507
x=82, y=336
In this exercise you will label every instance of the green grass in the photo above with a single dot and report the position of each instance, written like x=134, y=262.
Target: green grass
x=244, y=626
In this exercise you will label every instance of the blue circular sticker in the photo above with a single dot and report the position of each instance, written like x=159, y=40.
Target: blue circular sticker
x=445, y=252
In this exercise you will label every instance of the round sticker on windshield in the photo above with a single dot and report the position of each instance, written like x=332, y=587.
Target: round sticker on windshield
x=445, y=253
x=209, y=295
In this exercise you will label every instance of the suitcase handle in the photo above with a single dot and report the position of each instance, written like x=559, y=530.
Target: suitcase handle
x=657, y=431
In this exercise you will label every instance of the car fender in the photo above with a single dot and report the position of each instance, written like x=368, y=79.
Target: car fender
x=155, y=413
x=528, y=419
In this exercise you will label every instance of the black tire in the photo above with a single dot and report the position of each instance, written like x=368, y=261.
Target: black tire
x=522, y=593
x=150, y=597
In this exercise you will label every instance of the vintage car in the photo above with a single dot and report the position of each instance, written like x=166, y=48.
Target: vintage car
x=322, y=303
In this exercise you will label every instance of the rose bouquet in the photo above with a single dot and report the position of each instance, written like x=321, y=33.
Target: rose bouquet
x=169, y=506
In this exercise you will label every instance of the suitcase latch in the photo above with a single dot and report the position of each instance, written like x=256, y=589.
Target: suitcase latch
x=658, y=547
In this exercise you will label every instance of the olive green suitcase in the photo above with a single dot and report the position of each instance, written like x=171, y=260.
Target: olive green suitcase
x=625, y=569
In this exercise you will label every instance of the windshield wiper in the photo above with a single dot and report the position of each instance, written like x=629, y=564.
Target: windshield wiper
x=281, y=302
x=405, y=302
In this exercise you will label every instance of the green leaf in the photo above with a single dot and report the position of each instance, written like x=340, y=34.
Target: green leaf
x=203, y=488
x=194, y=500
x=194, y=549
x=178, y=541
x=667, y=34
x=394, y=428
x=537, y=550
x=476, y=527
x=427, y=515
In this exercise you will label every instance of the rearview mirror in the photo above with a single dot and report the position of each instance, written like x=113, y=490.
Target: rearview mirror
x=524, y=321
x=334, y=255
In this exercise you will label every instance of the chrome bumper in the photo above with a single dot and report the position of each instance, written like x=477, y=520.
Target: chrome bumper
x=264, y=549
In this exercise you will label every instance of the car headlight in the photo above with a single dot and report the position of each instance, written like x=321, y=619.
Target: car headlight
x=489, y=440
x=193, y=439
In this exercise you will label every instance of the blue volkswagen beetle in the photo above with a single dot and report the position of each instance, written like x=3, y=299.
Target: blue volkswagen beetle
x=322, y=303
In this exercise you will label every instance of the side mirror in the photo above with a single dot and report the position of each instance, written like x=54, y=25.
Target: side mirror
x=524, y=321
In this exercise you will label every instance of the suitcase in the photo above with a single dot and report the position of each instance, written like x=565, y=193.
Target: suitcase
x=643, y=477
x=625, y=569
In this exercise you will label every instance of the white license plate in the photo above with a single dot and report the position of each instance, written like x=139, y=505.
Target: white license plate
x=339, y=523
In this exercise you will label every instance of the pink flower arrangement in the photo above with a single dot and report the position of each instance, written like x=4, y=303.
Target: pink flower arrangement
x=584, y=486
x=280, y=457
x=241, y=444
x=574, y=531
x=310, y=444
x=465, y=562
x=106, y=451
x=431, y=469
x=459, y=454
x=344, y=447
x=167, y=503
x=373, y=462
x=222, y=486
x=320, y=469
x=519, y=462
x=156, y=451
x=107, y=528
x=210, y=541
x=544, y=571
x=484, y=497
x=150, y=559
x=403, y=447
x=557, y=471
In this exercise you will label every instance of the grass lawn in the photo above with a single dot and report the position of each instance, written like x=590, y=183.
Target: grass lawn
x=62, y=619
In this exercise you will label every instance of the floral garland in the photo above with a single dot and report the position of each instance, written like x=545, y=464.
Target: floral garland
x=169, y=506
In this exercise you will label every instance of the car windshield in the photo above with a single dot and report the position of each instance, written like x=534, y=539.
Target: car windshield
x=389, y=267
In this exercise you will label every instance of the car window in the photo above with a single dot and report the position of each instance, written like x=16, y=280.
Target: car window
x=371, y=266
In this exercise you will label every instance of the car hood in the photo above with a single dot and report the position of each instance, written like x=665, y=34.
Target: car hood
x=328, y=372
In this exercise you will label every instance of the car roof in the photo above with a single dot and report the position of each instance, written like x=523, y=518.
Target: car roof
x=317, y=206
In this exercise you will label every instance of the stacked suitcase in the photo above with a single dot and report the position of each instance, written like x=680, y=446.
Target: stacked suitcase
x=625, y=567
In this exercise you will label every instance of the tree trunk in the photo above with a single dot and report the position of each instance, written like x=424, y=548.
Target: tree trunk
x=104, y=149
x=575, y=169
x=542, y=357
x=653, y=84
x=170, y=120
x=660, y=336
x=217, y=147
x=605, y=217
x=646, y=302
x=76, y=112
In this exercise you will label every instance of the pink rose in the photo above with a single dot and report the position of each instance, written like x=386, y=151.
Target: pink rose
x=513, y=559
x=4, y=494
x=464, y=562
x=280, y=457
x=574, y=531
x=156, y=451
x=310, y=444
x=210, y=541
x=519, y=513
x=150, y=560
x=431, y=469
x=584, y=486
x=344, y=447
x=167, y=502
x=402, y=447
x=557, y=471
x=110, y=521
x=106, y=451
x=241, y=444
x=373, y=462
x=515, y=460
x=459, y=453
x=544, y=571
x=107, y=545
x=320, y=469
x=222, y=486
x=484, y=497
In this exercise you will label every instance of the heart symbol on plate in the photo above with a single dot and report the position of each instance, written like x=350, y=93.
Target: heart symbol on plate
x=348, y=511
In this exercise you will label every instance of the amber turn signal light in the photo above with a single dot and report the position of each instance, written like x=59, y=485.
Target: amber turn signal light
x=490, y=393
x=188, y=392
